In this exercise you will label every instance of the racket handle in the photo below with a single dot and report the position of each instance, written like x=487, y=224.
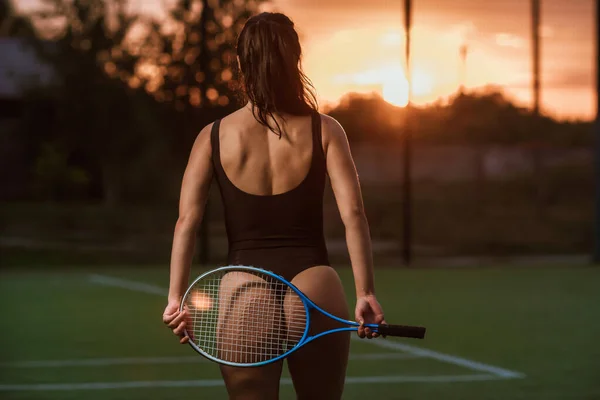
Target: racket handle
x=416, y=332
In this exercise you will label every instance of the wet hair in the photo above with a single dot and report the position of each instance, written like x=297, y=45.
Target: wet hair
x=269, y=54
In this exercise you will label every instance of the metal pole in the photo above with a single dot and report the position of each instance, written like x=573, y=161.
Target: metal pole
x=596, y=251
x=406, y=153
x=535, y=33
x=204, y=239
x=464, y=49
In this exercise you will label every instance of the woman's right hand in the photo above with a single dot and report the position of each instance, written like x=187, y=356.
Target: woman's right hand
x=176, y=321
x=368, y=311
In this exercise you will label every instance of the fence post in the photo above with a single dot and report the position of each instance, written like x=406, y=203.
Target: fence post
x=596, y=250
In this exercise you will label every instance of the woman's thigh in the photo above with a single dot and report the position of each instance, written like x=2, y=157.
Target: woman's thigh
x=318, y=369
x=256, y=383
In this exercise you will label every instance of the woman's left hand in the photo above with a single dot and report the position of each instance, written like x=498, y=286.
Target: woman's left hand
x=368, y=311
x=176, y=321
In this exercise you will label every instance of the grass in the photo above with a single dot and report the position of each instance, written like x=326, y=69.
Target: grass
x=541, y=322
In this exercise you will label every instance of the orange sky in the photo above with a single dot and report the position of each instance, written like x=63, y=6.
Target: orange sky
x=358, y=45
x=353, y=47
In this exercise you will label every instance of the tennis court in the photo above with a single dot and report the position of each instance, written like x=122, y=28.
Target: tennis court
x=493, y=333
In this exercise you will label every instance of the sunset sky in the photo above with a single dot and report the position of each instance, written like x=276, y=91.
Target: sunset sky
x=350, y=46
x=358, y=46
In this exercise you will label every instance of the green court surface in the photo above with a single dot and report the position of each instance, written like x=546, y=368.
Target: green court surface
x=493, y=333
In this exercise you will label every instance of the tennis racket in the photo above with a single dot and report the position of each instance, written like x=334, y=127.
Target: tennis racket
x=247, y=317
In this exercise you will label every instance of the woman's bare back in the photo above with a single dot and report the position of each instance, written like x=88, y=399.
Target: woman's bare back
x=257, y=161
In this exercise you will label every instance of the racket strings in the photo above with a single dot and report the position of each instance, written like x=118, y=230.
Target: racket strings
x=243, y=317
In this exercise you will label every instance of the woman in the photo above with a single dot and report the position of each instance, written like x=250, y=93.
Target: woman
x=270, y=159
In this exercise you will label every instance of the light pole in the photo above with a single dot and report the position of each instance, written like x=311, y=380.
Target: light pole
x=596, y=250
x=464, y=50
x=535, y=36
x=406, y=148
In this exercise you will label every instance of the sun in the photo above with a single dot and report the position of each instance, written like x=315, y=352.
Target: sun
x=395, y=91
x=395, y=85
x=390, y=81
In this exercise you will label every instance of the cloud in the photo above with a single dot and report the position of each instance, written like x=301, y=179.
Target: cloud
x=571, y=79
x=558, y=79
x=392, y=38
x=509, y=40
x=546, y=31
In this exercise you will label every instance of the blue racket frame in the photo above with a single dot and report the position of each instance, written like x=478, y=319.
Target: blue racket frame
x=308, y=306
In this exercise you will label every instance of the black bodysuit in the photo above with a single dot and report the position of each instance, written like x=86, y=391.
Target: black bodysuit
x=282, y=233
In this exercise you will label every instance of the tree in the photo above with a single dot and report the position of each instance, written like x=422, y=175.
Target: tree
x=197, y=63
x=481, y=119
x=105, y=123
x=352, y=113
x=197, y=78
x=12, y=24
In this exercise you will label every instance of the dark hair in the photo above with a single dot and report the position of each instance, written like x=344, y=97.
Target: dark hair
x=269, y=53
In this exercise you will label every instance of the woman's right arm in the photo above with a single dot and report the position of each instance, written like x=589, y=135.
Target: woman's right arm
x=194, y=193
x=346, y=188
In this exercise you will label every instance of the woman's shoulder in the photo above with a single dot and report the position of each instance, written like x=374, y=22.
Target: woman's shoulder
x=329, y=122
x=238, y=118
x=207, y=129
x=331, y=128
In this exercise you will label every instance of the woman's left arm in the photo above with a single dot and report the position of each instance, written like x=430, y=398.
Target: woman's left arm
x=194, y=193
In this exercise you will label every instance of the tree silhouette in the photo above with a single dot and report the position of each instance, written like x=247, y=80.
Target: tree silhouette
x=197, y=66
x=102, y=120
x=200, y=51
x=487, y=118
x=12, y=24
x=197, y=75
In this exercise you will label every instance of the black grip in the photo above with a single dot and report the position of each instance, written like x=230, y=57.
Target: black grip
x=417, y=332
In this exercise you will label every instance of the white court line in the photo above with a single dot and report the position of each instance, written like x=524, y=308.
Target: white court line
x=219, y=382
x=127, y=284
x=99, y=362
x=462, y=362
